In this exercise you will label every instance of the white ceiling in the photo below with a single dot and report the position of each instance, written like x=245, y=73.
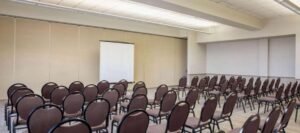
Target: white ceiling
x=263, y=9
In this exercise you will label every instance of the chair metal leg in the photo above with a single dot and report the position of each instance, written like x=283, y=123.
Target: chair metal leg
x=296, y=114
x=243, y=106
x=230, y=123
x=258, y=107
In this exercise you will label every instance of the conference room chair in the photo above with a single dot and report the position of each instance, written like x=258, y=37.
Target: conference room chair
x=90, y=93
x=286, y=92
x=226, y=113
x=298, y=91
x=175, y=121
x=125, y=83
x=96, y=114
x=17, y=94
x=159, y=93
x=167, y=103
x=271, y=87
x=76, y=86
x=47, y=89
x=102, y=87
x=250, y=126
x=277, y=83
x=220, y=92
x=239, y=79
x=112, y=96
x=138, y=91
x=43, y=118
x=24, y=106
x=205, y=120
x=277, y=100
x=73, y=105
x=231, y=82
x=138, y=102
x=232, y=88
x=244, y=97
x=293, y=90
x=181, y=86
x=255, y=93
x=207, y=79
x=194, y=82
x=137, y=85
x=211, y=85
x=121, y=89
x=268, y=125
x=136, y=121
x=191, y=99
x=263, y=91
x=71, y=126
x=241, y=85
x=287, y=113
x=222, y=80
x=58, y=94
x=9, y=92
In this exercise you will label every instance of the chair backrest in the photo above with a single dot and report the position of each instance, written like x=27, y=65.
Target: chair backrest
x=177, y=117
x=287, y=90
x=222, y=79
x=242, y=84
x=76, y=86
x=202, y=84
x=270, y=122
x=277, y=83
x=194, y=81
x=229, y=104
x=288, y=111
x=18, y=93
x=97, y=112
x=213, y=82
x=251, y=125
x=90, y=92
x=208, y=109
x=112, y=96
x=47, y=89
x=168, y=101
x=138, y=85
x=207, y=79
x=192, y=97
x=250, y=83
x=293, y=90
x=43, y=118
x=58, y=94
x=102, y=86
x=182, y=81
x=72, y=126
x=73, y=103
x=265, y=86
x=279, y=92
x=257, y=86
x=239, y=79
x=136, y=121
x=121, y=88
x=160, y=92
x=125, y=83
x=223, y=86
x=138, y=102
x=140, y=90
x=26, y=104
x=231, y=80
x=271, y=85
x=14, y=87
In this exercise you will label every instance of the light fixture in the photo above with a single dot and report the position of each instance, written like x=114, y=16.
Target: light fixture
x=129, y=10
x=290, y=4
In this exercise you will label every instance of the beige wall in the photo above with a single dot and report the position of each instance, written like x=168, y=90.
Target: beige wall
x=34, y=52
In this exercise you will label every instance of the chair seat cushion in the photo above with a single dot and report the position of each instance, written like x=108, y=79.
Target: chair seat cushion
x=157, y=128
x=155, y=113
x=124, y=104
x=73, y=114
x=98, y=127
x=217, y=115
x=192, y=122
x=118, y=118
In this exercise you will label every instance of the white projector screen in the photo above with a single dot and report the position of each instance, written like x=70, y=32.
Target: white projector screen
x=116, y=61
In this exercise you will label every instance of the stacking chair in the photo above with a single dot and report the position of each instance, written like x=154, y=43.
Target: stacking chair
x=96, y=114
x=286, y=92
x=159, y=93
x=112, y=96
x=220, y=92
x=72, y=126
x=231, y=81
x=47, y=89
x=239, y=79
x=138, y=91
x=167, y=103
x=201, y=87
x=191, y=99
x=271, y=99
x=136, y=121
x=250, y=126
x=25, y=105
x=43, y=118
x=73, y=105
x=120, y=87
x=211, y=85
x=245, y=96
x=58, y=94
x=135, y=87
x=293, y=90
x=194, y=82
x=226, y=111
x=138, y=102
x=102, y=87
x=90, y=93
x=277, y=83
x=175, y=122
x=241, y=85
x=181, y=86
x=264, y=87
x=125, y=83
x=207, y=112
x=271, y=86
x=269, y=124
x=287, y=113
x=76, y=86
x=222, y=80
x=207, y=79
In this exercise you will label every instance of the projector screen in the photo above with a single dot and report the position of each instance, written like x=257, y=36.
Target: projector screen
x=116, y=61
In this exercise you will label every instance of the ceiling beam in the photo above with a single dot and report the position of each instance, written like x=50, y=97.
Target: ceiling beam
x=210, y=11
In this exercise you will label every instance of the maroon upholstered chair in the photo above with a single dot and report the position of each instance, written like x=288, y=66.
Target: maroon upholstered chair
x=191, y=99
x=269, y=124
x=250, y=126
x=277, y=100
x=72, y=126
x=125, y=83
x=222, y=80
x=194, y=82
x=25, y=105
x=136, y=121
x=225, y=114
x=138, y=91
x=90, y=93
x=120, y=87
x=102, y=87
x=220, y=92
x=73, y=105
x=175, y=122
x=264, y=87
x=271, y=86
x=47, y=89
x=43, y=118
x=76, y=86
x=58, y=94
x=97, y=114
x=159, y=93
x=112, y=96
x=166, y=105
x=181, y=86
x=207, y=112
x=293, y=90
x=138, y=85
x=288, y=111
x=201, y=87
x=277, y=83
